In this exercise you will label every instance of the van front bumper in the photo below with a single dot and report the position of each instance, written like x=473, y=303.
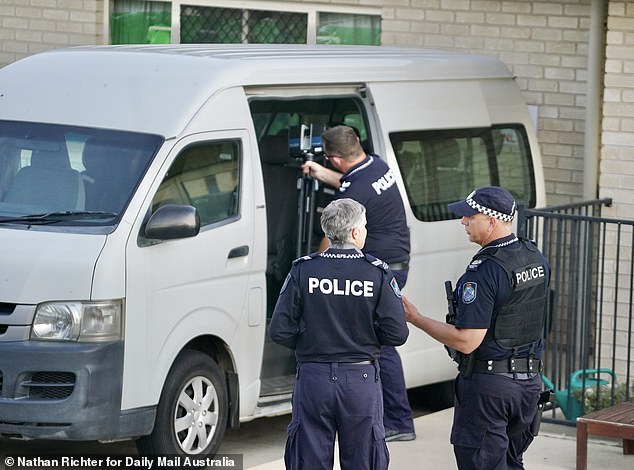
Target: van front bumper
x=54, y=390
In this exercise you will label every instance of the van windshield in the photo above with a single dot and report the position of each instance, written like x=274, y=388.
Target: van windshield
x=64, y=175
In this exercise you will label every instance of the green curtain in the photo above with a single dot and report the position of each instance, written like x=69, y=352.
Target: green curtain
x=340, y=28
x=140, y=22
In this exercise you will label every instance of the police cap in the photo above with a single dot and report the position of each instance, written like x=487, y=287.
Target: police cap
x=489, y=200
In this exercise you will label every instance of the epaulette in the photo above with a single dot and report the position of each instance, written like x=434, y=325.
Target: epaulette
x=306, y=258
x=476, y=263
x=530, y=243
x=377, y=262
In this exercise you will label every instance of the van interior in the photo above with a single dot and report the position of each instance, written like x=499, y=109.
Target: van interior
x=294, y=202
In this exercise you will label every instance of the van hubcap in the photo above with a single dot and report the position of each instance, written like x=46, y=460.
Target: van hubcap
x=196, y=415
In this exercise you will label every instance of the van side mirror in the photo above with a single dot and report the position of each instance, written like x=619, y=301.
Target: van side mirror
x=173, y=221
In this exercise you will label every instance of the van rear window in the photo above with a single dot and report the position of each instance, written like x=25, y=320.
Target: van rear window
x=443, y=166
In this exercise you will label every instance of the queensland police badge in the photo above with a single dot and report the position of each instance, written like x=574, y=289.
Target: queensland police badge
x=469, y=292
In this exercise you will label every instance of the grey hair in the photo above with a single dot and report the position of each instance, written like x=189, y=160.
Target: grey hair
x=340, y=217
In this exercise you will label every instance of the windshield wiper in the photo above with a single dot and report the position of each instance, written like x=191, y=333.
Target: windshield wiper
x=57, y=216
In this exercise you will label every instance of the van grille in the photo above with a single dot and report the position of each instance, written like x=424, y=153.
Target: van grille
x=6, y=309
x=48, y=385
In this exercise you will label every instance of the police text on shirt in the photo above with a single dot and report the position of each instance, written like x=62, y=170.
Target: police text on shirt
x=384, y=182
x=341, y=287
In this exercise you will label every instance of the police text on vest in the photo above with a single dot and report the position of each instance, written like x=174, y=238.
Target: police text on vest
x=341, y=287
x=530, y=274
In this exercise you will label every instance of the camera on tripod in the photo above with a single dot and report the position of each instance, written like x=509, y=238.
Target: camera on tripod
x=305, y=143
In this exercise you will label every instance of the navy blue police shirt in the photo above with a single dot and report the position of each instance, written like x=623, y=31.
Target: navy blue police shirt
x=481, y=292
x=373, y=184
x=339, y=306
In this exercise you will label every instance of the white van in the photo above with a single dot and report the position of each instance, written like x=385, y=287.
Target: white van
x=149, y=213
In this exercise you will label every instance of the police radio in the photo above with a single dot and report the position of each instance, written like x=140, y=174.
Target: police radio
x=452, y=311
x=465, y=362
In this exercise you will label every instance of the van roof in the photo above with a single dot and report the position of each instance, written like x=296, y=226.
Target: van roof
x=159, y=88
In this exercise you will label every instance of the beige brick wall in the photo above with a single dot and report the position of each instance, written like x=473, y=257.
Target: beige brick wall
x=616, y=171
x=544, y=43
x=616, y=178
x=30, y=26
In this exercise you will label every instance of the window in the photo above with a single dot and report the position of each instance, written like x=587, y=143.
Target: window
x=140, y=22
x=229, y=25
x=443, y=166
x=206, y=21
x=88, y=175
x=341, y=28
x=205, y=176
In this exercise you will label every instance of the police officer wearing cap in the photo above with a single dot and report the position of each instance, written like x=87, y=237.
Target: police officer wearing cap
x=369, y=180
x=500, y=300
x=336, y=308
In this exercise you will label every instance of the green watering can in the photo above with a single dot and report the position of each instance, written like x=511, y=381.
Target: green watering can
x=571, y=407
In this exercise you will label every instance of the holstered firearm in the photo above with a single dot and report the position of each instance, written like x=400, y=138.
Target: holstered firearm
x=465, y=361
x=545, y=397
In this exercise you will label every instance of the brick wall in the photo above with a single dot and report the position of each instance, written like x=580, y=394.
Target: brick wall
x=544, y=43
x=617, y=150
x=616, y=175
x=30, y=26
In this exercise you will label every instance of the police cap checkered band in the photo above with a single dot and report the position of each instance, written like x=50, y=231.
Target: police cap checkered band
x=488, y=211
x=490, y=200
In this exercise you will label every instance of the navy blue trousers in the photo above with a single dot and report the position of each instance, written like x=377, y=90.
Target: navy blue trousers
x=492, y=418
x=336, y=399
x=397, y=412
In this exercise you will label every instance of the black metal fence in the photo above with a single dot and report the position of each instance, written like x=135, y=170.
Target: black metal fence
x=588, y=332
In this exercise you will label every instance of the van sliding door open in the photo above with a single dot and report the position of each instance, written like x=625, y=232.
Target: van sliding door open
x=294, y=204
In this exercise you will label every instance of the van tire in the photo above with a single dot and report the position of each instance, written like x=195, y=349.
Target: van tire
x=182, y=426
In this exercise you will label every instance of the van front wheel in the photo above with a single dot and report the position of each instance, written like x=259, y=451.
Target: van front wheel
x=191, y=418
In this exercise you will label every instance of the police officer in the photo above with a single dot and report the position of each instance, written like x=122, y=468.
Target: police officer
x=368, y=180
x=336, y=308
x=500, y=301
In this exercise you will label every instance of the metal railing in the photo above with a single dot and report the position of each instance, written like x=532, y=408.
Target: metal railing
x=588, y=332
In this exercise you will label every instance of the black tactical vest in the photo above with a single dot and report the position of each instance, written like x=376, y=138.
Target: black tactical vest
x=519, y=323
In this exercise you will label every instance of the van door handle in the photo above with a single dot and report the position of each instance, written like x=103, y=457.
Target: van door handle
x=239, y=251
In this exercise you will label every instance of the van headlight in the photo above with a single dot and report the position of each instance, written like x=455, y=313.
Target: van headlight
x=78, y=321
